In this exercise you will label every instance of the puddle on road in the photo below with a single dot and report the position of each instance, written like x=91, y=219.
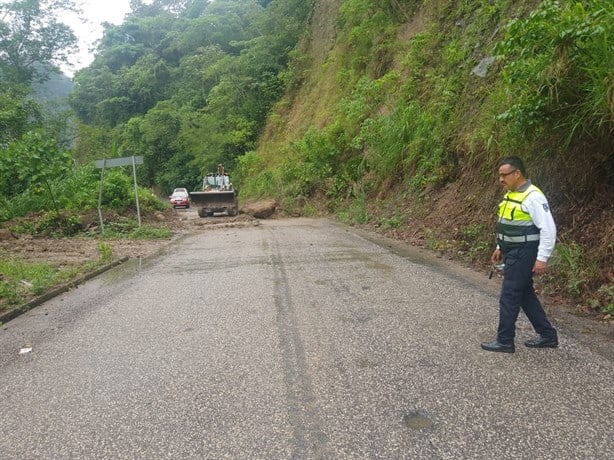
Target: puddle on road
x=367, y=363
x=122, y=271
x=359, y=316
x=417, y=421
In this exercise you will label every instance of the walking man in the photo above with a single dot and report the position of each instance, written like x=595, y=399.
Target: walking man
x=526, y=234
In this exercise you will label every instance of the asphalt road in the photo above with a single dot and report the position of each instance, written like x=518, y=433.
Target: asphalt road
x=294, y=339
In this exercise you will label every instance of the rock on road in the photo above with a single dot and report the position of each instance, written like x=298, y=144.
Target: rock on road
x=296, y=338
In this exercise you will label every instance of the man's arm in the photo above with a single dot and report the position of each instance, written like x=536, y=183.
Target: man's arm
x=537, y=206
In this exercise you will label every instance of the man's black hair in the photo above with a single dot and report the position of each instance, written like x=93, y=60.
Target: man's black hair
x=514, y=161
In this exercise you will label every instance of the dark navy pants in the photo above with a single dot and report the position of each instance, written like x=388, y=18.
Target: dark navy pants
x=517, y=292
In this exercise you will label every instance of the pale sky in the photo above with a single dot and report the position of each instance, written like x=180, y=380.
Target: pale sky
x=96, y=12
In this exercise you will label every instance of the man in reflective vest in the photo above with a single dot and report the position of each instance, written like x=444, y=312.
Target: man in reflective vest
x=526, y=235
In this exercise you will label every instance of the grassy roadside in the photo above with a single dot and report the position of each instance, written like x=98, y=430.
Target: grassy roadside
x=40, y=265
x=21, y=280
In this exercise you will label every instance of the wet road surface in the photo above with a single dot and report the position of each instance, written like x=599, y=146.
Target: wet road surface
x=296, y=339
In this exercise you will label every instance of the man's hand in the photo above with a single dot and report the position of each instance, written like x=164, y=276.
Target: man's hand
x=496, y=257
x=540, y=267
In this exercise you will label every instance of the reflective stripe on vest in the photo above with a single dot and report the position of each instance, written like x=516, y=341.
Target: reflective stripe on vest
x=517, y=239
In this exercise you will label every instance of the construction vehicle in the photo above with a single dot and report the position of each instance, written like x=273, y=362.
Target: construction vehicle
x=217, y=196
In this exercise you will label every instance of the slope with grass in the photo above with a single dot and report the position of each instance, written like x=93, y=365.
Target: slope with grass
x=396, y=113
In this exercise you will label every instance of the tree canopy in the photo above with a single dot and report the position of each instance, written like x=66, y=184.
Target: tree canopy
x=187, y=84
x=33, y=140
x=33, y=40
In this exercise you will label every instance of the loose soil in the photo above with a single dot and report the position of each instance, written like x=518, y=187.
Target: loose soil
x=74, y=251
x=81, y=252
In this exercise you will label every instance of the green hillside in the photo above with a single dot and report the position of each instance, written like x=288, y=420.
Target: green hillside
x=399, y=110
x=390, y=114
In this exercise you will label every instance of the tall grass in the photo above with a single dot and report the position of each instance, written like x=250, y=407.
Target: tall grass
x=405, y=145
x=558, y=64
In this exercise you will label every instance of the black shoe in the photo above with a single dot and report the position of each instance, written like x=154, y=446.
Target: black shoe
x=542, y=342
x=496, y=346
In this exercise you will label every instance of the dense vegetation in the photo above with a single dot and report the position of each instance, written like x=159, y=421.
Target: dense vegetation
x=186, y=85
x=389, y=113
x=399, y=111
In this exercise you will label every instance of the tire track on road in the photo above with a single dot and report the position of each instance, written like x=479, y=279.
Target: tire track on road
x=309, y=440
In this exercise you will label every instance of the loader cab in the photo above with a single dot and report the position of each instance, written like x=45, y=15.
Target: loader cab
x=216, y=182
x=209, y=182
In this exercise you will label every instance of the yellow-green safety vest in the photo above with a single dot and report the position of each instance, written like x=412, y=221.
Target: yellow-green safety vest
x=515, y=226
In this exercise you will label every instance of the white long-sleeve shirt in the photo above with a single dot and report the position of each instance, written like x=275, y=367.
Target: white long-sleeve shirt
x=536, y=205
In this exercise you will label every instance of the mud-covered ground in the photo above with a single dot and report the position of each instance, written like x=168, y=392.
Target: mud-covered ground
x=72, y=251
x=80, y=253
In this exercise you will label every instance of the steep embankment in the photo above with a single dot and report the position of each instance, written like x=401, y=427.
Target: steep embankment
x=396, y=113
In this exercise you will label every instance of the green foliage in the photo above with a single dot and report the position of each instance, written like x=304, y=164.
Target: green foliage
x=8, y=292
x=78, y=189
x=367, y=96
x=51, y=224
x=370, y=30
x=603, y=300
x=33, y=39
x=118, y=192
x=105, y=252
x=18, y=113
x=117, y=189
x=558, y=68
x=260, y=181
x=31, y=162
x=150, y=233
x=30, y=165
x=190, y=89
x=298, y=178
x=436, y=242
x=120, y=227
x=23, y=279
x=572, y=269
x=54, y=224
x=393, y=221
x=407, y=145
x=148, y=201
x=347, y=180
x=477, y=241
x=355, y=212
x=128, y=228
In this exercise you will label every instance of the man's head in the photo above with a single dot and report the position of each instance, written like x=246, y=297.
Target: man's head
x=511, y=173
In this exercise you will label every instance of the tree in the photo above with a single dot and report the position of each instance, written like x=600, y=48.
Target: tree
x=188, y=83
x=17, y=112
x=32, y=39
x=32, y=163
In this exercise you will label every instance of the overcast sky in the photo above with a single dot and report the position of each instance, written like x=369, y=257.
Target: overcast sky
x=96, y=12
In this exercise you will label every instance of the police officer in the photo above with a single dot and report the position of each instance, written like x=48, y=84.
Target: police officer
x=526, y=235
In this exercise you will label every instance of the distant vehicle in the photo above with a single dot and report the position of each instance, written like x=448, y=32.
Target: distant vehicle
x=180, y=198
x=218, y=195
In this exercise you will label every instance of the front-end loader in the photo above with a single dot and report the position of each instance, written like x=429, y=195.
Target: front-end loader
x=218, y=195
